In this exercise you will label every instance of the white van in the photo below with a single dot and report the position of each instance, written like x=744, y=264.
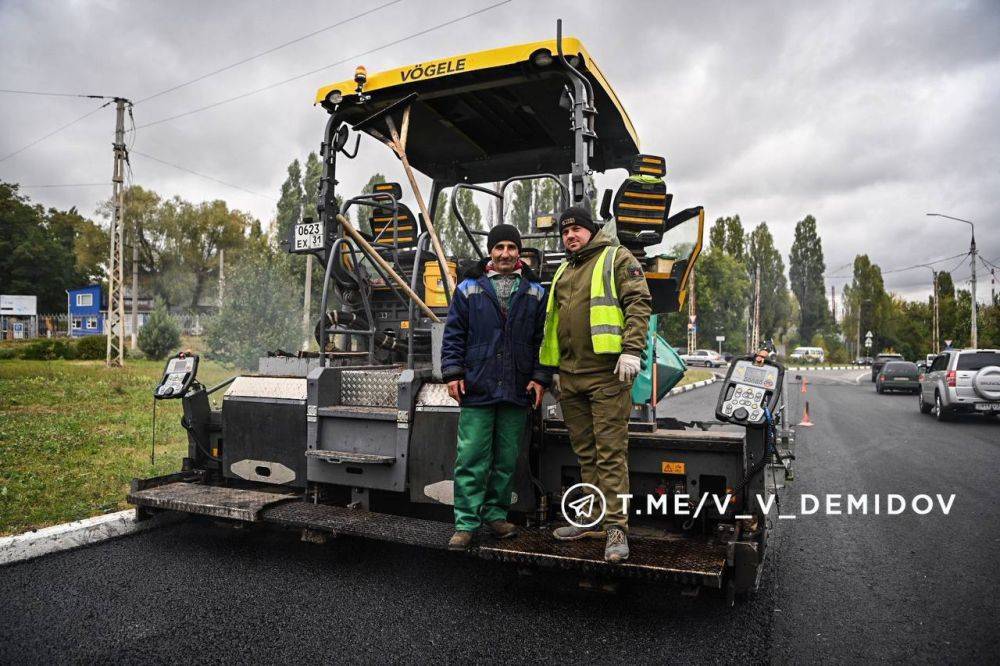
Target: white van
x=810, y=354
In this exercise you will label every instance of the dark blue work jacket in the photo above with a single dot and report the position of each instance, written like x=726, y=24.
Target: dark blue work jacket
x=496, y=356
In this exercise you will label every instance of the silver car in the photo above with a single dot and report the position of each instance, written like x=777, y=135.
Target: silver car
x=961, y=381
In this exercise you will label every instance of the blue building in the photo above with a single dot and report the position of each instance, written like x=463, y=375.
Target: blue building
x=85, y=314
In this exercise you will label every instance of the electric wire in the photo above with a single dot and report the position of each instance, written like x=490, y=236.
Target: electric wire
x=56, y=185
x=201, y=175
x=52, y=94
x=276, y=84
x=267, y=52
x=905, y=268
x=53, y=132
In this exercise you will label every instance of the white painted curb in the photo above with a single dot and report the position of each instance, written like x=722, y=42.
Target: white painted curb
x=691, y=387
x=29, y=545
x=804, y=368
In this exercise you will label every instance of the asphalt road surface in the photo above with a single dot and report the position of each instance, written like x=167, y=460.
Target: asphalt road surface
x=841, y=588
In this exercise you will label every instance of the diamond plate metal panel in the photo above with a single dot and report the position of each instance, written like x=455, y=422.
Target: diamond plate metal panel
x=435, y=395
x=369, y=388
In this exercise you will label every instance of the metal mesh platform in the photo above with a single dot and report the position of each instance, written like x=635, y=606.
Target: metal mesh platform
x=218, y=501
x=690, y=560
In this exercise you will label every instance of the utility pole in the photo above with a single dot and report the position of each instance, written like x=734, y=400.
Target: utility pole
x=755, y=335
x=222, y=277
x=135, y=283
x=307, y=303
x=116, y=270
x=833, y=303
x=972, y=251
x=692, y=341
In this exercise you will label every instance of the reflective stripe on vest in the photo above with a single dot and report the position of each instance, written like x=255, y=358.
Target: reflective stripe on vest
x=607, y=321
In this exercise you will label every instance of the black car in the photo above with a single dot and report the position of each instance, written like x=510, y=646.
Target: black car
x=881, y=360
x=898, y=376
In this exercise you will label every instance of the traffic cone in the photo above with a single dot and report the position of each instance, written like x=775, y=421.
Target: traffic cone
x=805, y=383
x=806, y=423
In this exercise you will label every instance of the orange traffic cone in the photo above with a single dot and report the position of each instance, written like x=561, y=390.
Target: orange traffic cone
x=806, y=423
x=805, y=383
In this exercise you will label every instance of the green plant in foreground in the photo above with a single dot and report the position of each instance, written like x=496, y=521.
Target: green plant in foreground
x=160, y=335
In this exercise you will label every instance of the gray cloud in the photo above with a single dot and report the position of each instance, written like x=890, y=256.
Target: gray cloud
x=866, y=115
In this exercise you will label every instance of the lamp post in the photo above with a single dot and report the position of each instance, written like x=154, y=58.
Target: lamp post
x=935, y=335
x=972, y=251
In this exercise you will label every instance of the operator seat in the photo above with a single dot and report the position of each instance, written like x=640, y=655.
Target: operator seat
x=383, y=224
x=642, y=205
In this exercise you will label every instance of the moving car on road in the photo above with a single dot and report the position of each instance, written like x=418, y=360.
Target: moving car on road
x=705, y=357
x=898, y=376
x=881, y=360
x=965, y=381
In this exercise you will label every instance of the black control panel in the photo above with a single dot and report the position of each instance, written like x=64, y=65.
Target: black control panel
x=748, y=390
x=177, y=377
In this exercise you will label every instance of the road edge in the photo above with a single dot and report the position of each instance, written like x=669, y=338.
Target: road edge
x=691, y=387
x=67, y=536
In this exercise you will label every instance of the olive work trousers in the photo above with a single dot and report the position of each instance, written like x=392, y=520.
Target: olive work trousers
x=489, y=441
x=596, y=407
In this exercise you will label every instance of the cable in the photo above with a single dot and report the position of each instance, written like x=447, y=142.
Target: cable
x=37, y=187
x=53, y=132
x=905, y=268
x=201, y=175
x=268, y=51
x=52, y=94
x=243, y=96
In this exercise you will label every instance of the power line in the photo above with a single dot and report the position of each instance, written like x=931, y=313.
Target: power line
x=36, y=187
x=53, y=132
x=201, y=175
x=325, y=67
x=268, y=51
x=51, y=94
x=905, y=268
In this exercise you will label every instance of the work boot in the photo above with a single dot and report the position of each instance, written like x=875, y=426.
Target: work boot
x=502, y=529
x=460, y=541
x=572, y=533
x=617, y=548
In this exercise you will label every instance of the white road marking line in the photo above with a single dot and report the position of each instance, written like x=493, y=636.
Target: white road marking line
x=787, y=517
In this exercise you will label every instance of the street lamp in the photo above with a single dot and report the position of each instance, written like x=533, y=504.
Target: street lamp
x=972, y=251
x=935, y=347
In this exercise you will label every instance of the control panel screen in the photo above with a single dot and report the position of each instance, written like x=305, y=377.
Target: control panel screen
x=754, y=375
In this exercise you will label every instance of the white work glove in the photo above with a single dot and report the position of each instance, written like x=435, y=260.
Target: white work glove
x=627, y=367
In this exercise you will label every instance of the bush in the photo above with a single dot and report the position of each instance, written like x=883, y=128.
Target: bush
x=161, y=334
x=47, y=350
x=92, y=348
x=8, y=353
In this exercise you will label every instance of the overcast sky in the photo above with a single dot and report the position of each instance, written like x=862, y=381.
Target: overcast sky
x=866, y=115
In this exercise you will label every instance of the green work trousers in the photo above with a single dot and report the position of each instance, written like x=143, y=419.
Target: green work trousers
x=489, y=440
x=596, y=407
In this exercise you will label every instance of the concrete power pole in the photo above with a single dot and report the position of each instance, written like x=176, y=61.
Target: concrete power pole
x=755, y=335
x=307, y=303
x=222, y=277
x=692, y=340
x=833, y=303
x=116, y=270
x=135, y=284
x=975, y=306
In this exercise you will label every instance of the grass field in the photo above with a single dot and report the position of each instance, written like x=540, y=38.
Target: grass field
x=73, y=434
x=692, y=376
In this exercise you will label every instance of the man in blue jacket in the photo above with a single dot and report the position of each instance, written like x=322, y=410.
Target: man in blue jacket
x=490, y=360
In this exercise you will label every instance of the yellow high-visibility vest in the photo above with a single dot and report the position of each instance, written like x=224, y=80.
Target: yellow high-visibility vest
x=607, y=320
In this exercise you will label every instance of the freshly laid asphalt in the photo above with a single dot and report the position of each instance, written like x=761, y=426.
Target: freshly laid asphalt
x=835, y=588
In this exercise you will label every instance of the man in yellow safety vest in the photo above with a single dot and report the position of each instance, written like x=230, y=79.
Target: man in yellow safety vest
x=597, y=317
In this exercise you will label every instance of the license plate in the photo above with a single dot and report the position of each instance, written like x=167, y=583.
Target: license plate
x=988, y=406
x=902, y=379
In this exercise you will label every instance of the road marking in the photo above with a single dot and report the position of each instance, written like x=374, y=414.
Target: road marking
x=742, y=517
x=857, y=380
x=787, y=517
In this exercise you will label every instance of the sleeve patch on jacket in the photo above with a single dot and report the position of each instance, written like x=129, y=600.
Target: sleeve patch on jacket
x=635, y=272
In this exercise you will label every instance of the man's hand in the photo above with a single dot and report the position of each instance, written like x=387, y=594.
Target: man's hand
x=456, y=389
x=627, y=367
x=538, y=390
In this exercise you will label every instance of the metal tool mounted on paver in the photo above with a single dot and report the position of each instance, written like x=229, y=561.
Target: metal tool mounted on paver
x=359, y=438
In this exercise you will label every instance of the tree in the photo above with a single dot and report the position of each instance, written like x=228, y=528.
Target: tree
x=519, y=212
x=160, y=335
x=310, y=186
x=260, y=314
x=774, y=305
x=453, y=237
x=867, y=300
x=723, y=289
x=728, y=235
x=364, y=213
x=805, y=272
x=290, y=202
x=38, y=250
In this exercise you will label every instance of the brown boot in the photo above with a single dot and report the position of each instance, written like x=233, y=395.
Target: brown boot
x=460, y=541
x=502, y=529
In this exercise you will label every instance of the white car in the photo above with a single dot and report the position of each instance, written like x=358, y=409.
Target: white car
x=704, y=357
x=809, y=354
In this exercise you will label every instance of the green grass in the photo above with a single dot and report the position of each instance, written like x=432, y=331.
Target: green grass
x=73, y=434
x=692, y=376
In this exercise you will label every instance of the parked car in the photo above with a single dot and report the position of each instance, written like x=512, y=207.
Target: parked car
x=708, y=358
x=881, y=360
x=808, y=354
x=898, y=376
x=863, y=360
x=962, y=381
